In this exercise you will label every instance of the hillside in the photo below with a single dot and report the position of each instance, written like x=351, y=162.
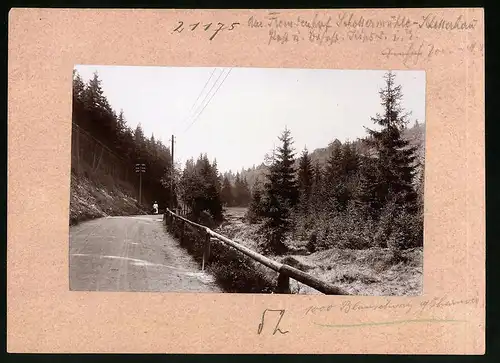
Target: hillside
x=91, y=200
x=415, y=135
x=101, y=183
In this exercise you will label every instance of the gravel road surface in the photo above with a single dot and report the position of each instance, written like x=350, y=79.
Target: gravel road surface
x=132, y=254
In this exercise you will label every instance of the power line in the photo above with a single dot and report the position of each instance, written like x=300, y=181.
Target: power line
x=198, y=116
x=202, y=90
x=206, y=96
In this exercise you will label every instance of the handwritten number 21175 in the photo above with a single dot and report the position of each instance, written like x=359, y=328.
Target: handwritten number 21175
x=216, y=28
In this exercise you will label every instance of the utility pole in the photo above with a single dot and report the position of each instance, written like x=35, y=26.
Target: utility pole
x=140, y=168
x=172, y=177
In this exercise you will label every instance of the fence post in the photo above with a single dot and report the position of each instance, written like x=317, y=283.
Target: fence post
x=183, y=229
x=283, y=284
x=206, y=251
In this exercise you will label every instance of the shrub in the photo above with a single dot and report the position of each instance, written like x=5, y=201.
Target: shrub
x=233, y=271
x=354, y=228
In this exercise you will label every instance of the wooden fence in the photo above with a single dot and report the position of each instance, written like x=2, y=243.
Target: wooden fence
x=285, y=272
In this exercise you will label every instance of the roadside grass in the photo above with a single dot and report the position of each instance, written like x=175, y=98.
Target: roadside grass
x=233, y=271
x=371, y=272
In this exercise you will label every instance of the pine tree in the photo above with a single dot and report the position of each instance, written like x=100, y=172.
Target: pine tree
x=238, y=190
x=305, y=179
x=275, y=210
x=395, y=157
x=247, y=194
x=318, y=198
x=333, y=186
x=256, y=209
x=285, y=162
x=139, y=141
x=281, y=194
x=93, y=94
x=365, y=197
x=78, y=87
x=227, y=192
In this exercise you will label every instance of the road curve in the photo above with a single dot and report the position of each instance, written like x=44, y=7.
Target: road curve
x=132, y=254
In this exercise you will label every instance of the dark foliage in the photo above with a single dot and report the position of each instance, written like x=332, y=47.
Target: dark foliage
x=93, y=113
x=233, y=271
x=200, y=189
x=367, y=193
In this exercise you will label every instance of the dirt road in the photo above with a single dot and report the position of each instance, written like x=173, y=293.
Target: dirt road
x=132, y=254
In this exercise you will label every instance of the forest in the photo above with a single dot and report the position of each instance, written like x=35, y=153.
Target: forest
x=368, y=193
x=364, y=193
x=93, y=113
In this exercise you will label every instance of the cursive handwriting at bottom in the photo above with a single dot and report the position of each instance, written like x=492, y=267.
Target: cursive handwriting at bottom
x=276, y=328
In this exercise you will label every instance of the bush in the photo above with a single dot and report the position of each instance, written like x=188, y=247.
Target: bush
x=354, y=228
x=398, y=228
x=236, y=272
x=233, y=271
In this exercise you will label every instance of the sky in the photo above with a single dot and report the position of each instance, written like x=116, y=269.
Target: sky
x=240, y=112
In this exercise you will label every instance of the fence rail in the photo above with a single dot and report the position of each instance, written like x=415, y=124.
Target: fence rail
x=285, y=272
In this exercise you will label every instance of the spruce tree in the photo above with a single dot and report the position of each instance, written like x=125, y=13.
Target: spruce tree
x=285, y=161
x=227, y=192
x=245, y=192
x=395, y=157
x=281, y=193
x=334, y=188
x=238, y=190
x=255, y=209
x=317, y=187
x=78, y=87
x=305, y=179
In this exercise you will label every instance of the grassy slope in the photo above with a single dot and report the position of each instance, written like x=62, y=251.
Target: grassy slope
x=90, y=200
x=373, y=271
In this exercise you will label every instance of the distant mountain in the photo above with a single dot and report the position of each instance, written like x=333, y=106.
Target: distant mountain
x=415, y=135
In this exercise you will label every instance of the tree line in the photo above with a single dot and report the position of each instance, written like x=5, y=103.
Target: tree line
x=94, y=114
x=368, y=193
x=235, y=190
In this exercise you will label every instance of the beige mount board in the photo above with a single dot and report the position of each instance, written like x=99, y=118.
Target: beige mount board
x=44, y=316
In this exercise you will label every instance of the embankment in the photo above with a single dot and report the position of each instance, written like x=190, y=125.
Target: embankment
x=90, y=199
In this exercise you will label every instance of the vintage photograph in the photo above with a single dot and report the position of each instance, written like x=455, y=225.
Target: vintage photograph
x=247, y=180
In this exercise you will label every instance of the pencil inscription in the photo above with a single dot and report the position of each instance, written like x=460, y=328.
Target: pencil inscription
x=399, y=32
x=276, y=327
x=212, y=28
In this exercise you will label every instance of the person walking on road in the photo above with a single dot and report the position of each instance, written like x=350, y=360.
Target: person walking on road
x=155, y=207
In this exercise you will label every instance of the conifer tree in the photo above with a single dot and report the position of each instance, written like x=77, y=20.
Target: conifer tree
x=281, y=193
x=78, y=87
x=255, y=209
x=227, y=192
x=318, y=198
x=305, y=179
x=238, y=190
x=285, y=161
x=395, y=157
x=334, y=188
